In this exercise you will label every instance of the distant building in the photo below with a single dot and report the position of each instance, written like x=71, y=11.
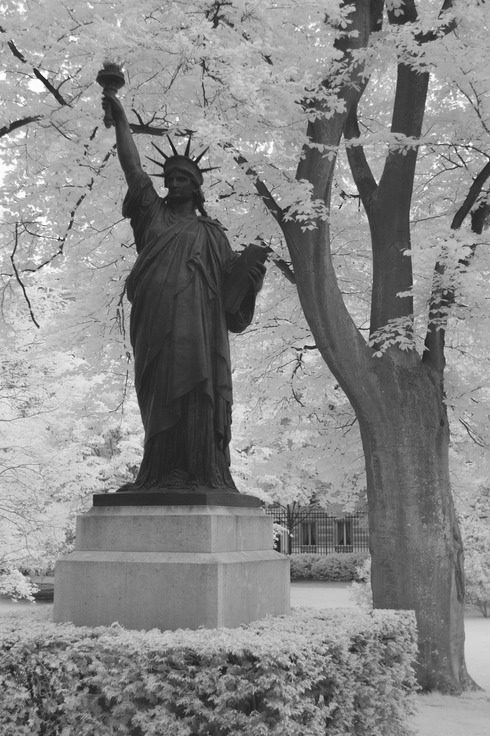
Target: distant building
x=313, y=529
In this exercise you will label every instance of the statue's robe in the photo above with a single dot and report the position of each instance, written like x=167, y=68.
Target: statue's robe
x=179, y=335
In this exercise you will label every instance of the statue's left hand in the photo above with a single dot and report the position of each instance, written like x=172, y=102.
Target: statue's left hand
x=256, y=275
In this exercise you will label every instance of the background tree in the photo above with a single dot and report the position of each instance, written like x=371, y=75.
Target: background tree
x=270, y=85
x=417, y=555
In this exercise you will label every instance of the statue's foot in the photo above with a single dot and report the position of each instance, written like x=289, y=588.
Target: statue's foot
x=127, y=488
x=177, y=481
x=181, y=490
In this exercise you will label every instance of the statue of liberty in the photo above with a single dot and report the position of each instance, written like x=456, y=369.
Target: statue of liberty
x=179, y=321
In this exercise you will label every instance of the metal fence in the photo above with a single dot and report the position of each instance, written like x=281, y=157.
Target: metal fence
x=313, y=530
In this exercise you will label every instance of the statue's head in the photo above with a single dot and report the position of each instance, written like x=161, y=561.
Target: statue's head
x=185, y=164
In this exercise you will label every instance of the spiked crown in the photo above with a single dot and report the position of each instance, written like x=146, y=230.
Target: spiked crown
x=184, y=162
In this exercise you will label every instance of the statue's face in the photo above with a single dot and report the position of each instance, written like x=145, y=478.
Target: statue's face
x=181, y=187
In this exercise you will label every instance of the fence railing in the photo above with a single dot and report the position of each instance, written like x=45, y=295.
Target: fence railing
x=313, y=530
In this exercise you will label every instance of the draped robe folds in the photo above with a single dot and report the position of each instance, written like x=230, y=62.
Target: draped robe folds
x=179, y=335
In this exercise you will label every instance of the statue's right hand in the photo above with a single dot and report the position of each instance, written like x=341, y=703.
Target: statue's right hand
x=111, y=102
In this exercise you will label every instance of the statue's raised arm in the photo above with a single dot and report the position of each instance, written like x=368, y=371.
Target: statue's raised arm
x=127, y=152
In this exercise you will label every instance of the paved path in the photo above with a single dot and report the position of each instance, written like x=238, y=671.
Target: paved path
x=317, y=594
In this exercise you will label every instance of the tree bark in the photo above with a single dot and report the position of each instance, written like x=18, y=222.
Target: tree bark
x=416, y=548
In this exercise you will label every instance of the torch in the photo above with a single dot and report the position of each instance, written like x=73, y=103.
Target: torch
x=111, y=79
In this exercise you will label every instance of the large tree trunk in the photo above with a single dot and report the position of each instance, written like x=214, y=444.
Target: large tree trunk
x=398, y=397
x=415, y=542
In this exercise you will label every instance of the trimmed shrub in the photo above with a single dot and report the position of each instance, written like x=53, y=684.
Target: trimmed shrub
x=17, y=586
x=476, y=535
x=306, y=674
x=477, y=576
x=361, y=590
x=340, y=567
x=301, y=566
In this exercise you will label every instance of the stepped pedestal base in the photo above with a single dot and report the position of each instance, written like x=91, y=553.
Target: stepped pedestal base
x=170, y=567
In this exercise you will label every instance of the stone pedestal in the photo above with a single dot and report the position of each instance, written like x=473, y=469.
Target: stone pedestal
x=170, y=567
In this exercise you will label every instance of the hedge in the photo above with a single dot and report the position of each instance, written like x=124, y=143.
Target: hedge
x=340, y=567
x=309, y=673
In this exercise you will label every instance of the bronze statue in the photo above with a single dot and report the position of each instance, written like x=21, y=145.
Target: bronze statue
x=179, y=324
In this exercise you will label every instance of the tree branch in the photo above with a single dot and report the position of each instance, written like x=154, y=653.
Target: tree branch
x=390, y=214
x=472, y=434
x=55, y=92
x=446, y=28
x=471, y=197
x=266, y=196
x=284, y=268
x=407, y=13
x=361, y=172
x=478, y=219
x=14, y=48
x=37, y=73
x=442, y=298
x=407, y=119
x=147, y=129
x=17, y=276
x=7, y=129
x=63, y=238
x=276, y=211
